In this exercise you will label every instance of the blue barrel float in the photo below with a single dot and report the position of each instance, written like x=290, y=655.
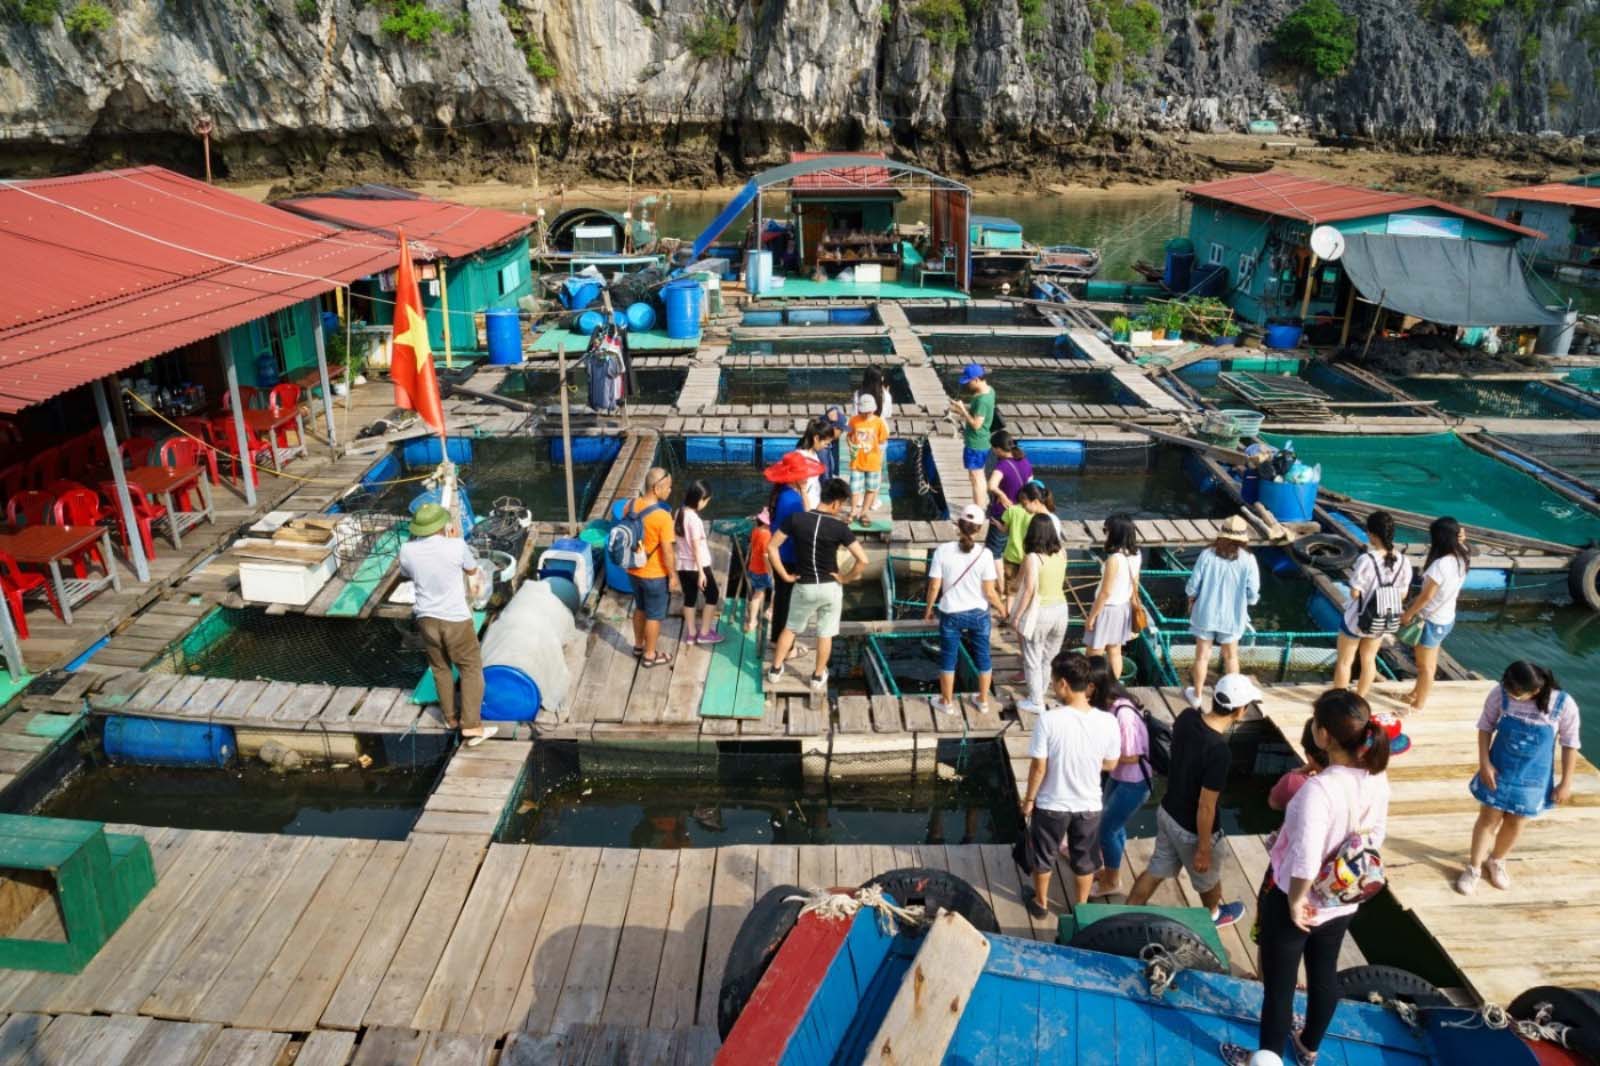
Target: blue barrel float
x=155, y=742
x=1289, y=501
x=683, y=299
x=641, y=316
x=590, y=321
x=505, y=335
x=1284, y=335
x=576, y=293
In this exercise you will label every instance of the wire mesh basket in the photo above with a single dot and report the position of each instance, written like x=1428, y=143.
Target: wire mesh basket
x=362, y=535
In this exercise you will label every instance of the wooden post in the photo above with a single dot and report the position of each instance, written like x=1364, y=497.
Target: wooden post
x=444, y=306
x=141, y=566
x=322, y=376
x=241, y=437
x=203, y=128
x=1377, y=313
x=566, y=437
x=1311, y=279
x=1349, y=313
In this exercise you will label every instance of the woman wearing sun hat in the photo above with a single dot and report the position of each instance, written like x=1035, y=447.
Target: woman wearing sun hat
x=788, y=477
x=1222, y=588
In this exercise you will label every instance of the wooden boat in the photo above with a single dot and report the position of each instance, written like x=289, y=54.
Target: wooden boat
x=843, y=990
x=1147, y=270
x=1067, y=261
x=1242, y=166
x=1000, y=256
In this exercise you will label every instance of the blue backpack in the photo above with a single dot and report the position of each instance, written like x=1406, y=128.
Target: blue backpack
x=624, y=544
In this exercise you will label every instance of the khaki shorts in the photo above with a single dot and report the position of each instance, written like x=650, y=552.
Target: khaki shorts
x=1175, y=848
x=823, y=602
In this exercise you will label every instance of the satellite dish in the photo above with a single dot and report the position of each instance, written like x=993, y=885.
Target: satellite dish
x=1327, y=242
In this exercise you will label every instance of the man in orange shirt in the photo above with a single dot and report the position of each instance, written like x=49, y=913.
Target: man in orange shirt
x=654, y=582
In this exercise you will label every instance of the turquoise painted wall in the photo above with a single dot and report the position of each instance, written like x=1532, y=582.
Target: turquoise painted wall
x=286, y=334
x=496, y=277
x=1553, y=220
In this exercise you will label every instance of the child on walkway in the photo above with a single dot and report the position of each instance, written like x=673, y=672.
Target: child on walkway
x=1525, y=719
x=1032, y=499
x=868, y=437
x=757, y=571
x=1110, y=622
x=693, y=563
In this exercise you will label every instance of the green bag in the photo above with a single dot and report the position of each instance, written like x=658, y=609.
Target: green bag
x=1411, y=634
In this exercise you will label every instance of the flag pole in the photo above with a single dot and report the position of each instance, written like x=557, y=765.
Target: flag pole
x=566, y=437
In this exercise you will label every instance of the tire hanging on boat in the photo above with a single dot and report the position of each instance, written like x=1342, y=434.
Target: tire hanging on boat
x=1128, y=934
x=1327, y=552
x=1576, y=1008
x=1583, y=578
x=936, y=890
x=1390, y=982
x=760, y=936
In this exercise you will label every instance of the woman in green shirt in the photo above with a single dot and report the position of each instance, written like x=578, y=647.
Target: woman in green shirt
x=1039, y=608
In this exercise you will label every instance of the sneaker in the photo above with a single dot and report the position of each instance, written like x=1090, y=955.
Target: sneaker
x=690, y=637
x=978, y=706
x=775, y=677
x=1037, y=912
x=1498, y=877
x=1191, y=696
x=1029, y=706
x=488, y=731
x=938, y=704
x=1467, y=882
x=819, y=682
x=1227, y=914
x=710, y=636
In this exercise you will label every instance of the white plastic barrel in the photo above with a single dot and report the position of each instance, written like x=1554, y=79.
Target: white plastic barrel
x=758, y=271
x=530, y=635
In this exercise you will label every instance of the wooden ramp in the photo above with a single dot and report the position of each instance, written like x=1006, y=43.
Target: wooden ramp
x=1540, y=931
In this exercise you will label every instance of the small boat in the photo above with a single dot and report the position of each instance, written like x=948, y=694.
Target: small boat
x=1067, y=260
x=1148, y=270
x=999, y=254
x=1242, y=166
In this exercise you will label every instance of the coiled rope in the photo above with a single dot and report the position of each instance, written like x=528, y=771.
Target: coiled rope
x=1493, y=1016
x=839, y=906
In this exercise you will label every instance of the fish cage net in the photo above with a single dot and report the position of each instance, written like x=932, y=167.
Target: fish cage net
x=1577, y=454
x=249, y=644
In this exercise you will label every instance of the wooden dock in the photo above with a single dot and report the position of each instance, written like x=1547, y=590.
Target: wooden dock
x=1541, y=931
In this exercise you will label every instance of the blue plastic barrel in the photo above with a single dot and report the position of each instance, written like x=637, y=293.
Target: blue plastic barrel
x=1324, y=615
x=1180, y=264
x=1289, y=502
x=330, y=322
x=808, y=316
x=590, y=321
x=509, y=695
x=152, y=742
x=850, y=316
x=682, y=299
x=641, y=316
x=586, y=449
x=1063, y=454
x=505, y=335
x=426, y=451
x=762, y=318
x=1284, y=335
x=266, y=370
x=578, y=293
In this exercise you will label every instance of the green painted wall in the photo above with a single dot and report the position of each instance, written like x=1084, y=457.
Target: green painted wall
x=286, y=334
x=496, y=277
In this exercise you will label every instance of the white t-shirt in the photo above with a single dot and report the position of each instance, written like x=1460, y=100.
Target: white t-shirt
x=961, y=577
x=1448, y=573
x=811, y=487
x=1075, y=745
x=1369, y=573
x=435, y=565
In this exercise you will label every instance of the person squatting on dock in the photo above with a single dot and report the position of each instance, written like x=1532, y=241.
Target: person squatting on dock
x=439, y=563
x=1323, y=865
x=1070, y=747
x=1525, y=719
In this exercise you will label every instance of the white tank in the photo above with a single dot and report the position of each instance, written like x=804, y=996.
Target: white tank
x=530, y=634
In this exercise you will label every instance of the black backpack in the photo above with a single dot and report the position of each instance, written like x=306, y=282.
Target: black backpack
x=1159, y=732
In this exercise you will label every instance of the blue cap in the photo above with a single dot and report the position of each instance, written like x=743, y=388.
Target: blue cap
x=971, y=372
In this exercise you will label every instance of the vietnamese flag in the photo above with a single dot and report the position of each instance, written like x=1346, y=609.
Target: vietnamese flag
x=415, y=385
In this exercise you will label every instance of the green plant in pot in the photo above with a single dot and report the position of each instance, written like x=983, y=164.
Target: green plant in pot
x=1120, y=328
x=1174, y=322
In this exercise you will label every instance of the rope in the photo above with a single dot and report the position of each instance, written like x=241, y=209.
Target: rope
x=1541, y=1026
x=1160, y=968
x=839, y=906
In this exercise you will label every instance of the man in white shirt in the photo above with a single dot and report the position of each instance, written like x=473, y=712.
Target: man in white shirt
x=1071, y=746
x=437, y=562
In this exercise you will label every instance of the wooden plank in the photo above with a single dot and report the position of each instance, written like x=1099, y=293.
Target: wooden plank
x=390, y=1047
x=1005, y=890
x=444, y=1002
x=488, y=1008
x=208, y=697
x=274, y=697
x=18, y=1034
x=326, y=1047
x=340, y=994
x=173, y=1044
x=647, y=699
x=886, y=714
x=928, y=1006
x=306, y=705
x=377, y=705
x=855, y=714
x=674, y=1004
x=539, y=991
x=340, y=704
x=456, y=1049
x=644, y=932
x=400, y=993
x=239, y=699
x=918, y=714
x=155, y=687
x=595, y=948
x=776, y=864
x=247, y=1047
x=732, y=895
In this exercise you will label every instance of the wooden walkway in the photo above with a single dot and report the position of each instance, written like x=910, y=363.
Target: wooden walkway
x=1541, y=931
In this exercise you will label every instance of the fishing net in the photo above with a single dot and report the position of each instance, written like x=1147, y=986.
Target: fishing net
x=247, y=643
x=1576, y=453
x=363, y=534
x=1435, y=474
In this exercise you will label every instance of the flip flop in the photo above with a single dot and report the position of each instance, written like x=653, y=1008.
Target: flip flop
x=661, y=659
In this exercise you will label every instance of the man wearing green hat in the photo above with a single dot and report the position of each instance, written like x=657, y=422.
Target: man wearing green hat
x=436, y=561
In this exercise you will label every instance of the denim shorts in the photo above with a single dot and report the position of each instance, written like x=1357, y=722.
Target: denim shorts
x=1215, y=636
x=651, y=595
x=974, y=458
x=1433, y=635
x=975, y=625
x=759, y=582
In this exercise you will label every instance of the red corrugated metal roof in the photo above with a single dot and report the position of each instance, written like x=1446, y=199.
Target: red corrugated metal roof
x=1553, y=193
x=1314, y=201
x=449, y=229
x=843, y=179
x=107, y=270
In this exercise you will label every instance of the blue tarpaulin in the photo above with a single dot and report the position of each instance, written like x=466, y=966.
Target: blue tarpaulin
x=745, y=198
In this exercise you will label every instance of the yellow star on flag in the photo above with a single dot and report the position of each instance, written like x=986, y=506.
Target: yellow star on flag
x=415, y=335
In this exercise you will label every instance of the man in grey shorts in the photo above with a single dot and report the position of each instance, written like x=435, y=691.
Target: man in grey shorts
x=818, y=537
x=1186, y=823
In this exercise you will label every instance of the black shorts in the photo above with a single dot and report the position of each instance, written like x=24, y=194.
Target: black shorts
x=691, y=587
x=1060, y=833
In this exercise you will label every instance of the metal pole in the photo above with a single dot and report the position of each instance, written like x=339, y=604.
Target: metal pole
x=444, y=305
x=566, y=438
x=322, y=375
x=141, y=566
x=241, y=437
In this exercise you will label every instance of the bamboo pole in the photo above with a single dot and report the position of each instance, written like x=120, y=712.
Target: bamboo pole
x=1349, y=312
x=566, y=439
x=1377, y=315
x=444, y=306
x=1311, y=279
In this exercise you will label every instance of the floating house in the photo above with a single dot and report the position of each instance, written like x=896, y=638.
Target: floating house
x=471, y=259
x=1568, y=214
x=1251, y=238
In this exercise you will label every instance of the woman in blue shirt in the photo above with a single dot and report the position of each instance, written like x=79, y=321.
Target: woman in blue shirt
x=1224, y=585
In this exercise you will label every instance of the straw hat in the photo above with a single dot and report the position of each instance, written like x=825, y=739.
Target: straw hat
x=791, y=468
x=1234, y=527
x=429, y=519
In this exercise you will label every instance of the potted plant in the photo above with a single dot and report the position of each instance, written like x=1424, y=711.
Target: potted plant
x=1174, y=322
x=1120, y=328
x=1229, y=335
x=1142, y=330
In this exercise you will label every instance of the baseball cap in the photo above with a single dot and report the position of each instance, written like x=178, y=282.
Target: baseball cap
x=866, y=404
x=971, y=372
x=973, y=513
x=1234, y=691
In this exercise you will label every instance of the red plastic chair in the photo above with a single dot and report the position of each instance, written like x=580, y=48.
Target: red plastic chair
x=181, y=451
x=79, y=453
x=42, y=469
x=31, y=507
x=82, y=507
x=136, y=451
x=145, y=511
x=283, y=398
x=64, y=485
x=11, y=480
x=16, y=584
x=226, y=444
x=254, y=399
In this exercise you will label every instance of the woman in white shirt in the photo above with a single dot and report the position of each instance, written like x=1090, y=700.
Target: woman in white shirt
x=1378, y=585
x=1299, y=919
x=1443, y=574
x=1109, y=624
x=961, y=585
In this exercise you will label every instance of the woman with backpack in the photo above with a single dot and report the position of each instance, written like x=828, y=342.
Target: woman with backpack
x=1379, y=582
x=1323, y=865
x=1126, y=787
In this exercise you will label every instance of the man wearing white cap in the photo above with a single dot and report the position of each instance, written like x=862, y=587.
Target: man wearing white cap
x=1186, y=823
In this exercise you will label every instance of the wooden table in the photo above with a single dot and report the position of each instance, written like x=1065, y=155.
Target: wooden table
x=266, y=424
x=46, y=546
x=167, y=482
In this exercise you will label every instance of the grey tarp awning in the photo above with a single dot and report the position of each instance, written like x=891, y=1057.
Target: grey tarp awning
x=1456, y=282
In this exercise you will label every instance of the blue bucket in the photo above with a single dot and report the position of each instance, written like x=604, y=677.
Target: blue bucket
x=505, y=336
x=1284, y=335
x=151, y=742
x=1289, y=502
x=682, y=299
x=578, y=293
x=641, y=316
x=590, y=321
x=509, y=695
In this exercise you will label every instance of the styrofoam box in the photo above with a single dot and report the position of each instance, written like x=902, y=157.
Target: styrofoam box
x=291, y=583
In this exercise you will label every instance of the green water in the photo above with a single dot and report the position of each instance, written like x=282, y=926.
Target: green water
x=1048, y=386
x=968, y=315
x=520, y=467
x=1496, y=399
x=301, y=649
x=592, y=797
x=978, y=346
x=1156, y=487
x=659, y=385
x=818, y=386
x=813, y=346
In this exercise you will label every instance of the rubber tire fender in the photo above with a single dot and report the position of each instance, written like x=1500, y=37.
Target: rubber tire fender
x=1327, y=552
x=760, y=936
x=1391, y=982
x=936, y=890
x=1576, y=1008
x=1127, y=934
x=1583, y=578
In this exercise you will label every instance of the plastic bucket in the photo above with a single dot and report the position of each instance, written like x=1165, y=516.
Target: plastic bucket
x=590, y=321
x=266, y=370
x=1289, y=502
x=505, y=335
x=578, y=293
x=1246, y=423
x=758, y=272
x=1284, y=335
x=682, y=299
x=509, y=695
x=641, y=316
x=149, y=742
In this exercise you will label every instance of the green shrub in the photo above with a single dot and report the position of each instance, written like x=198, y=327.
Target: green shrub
x=1529, y=49
x=886, y=13
x=1105, y=55
x=1559, y=93
x=539, y=64
x=1498, y=95
x=1319, y=37
x=944, y=22
x=1206, y=21
x=1137, y=23
x=715, y=38
x=1470, y=12
x=89, y=19
x=308, y=10
x=1034, y=20
x=31, y=12
x=416, y=22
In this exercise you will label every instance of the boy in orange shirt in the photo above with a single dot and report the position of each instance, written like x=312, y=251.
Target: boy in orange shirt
x=757, y=569
x=868, y=436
